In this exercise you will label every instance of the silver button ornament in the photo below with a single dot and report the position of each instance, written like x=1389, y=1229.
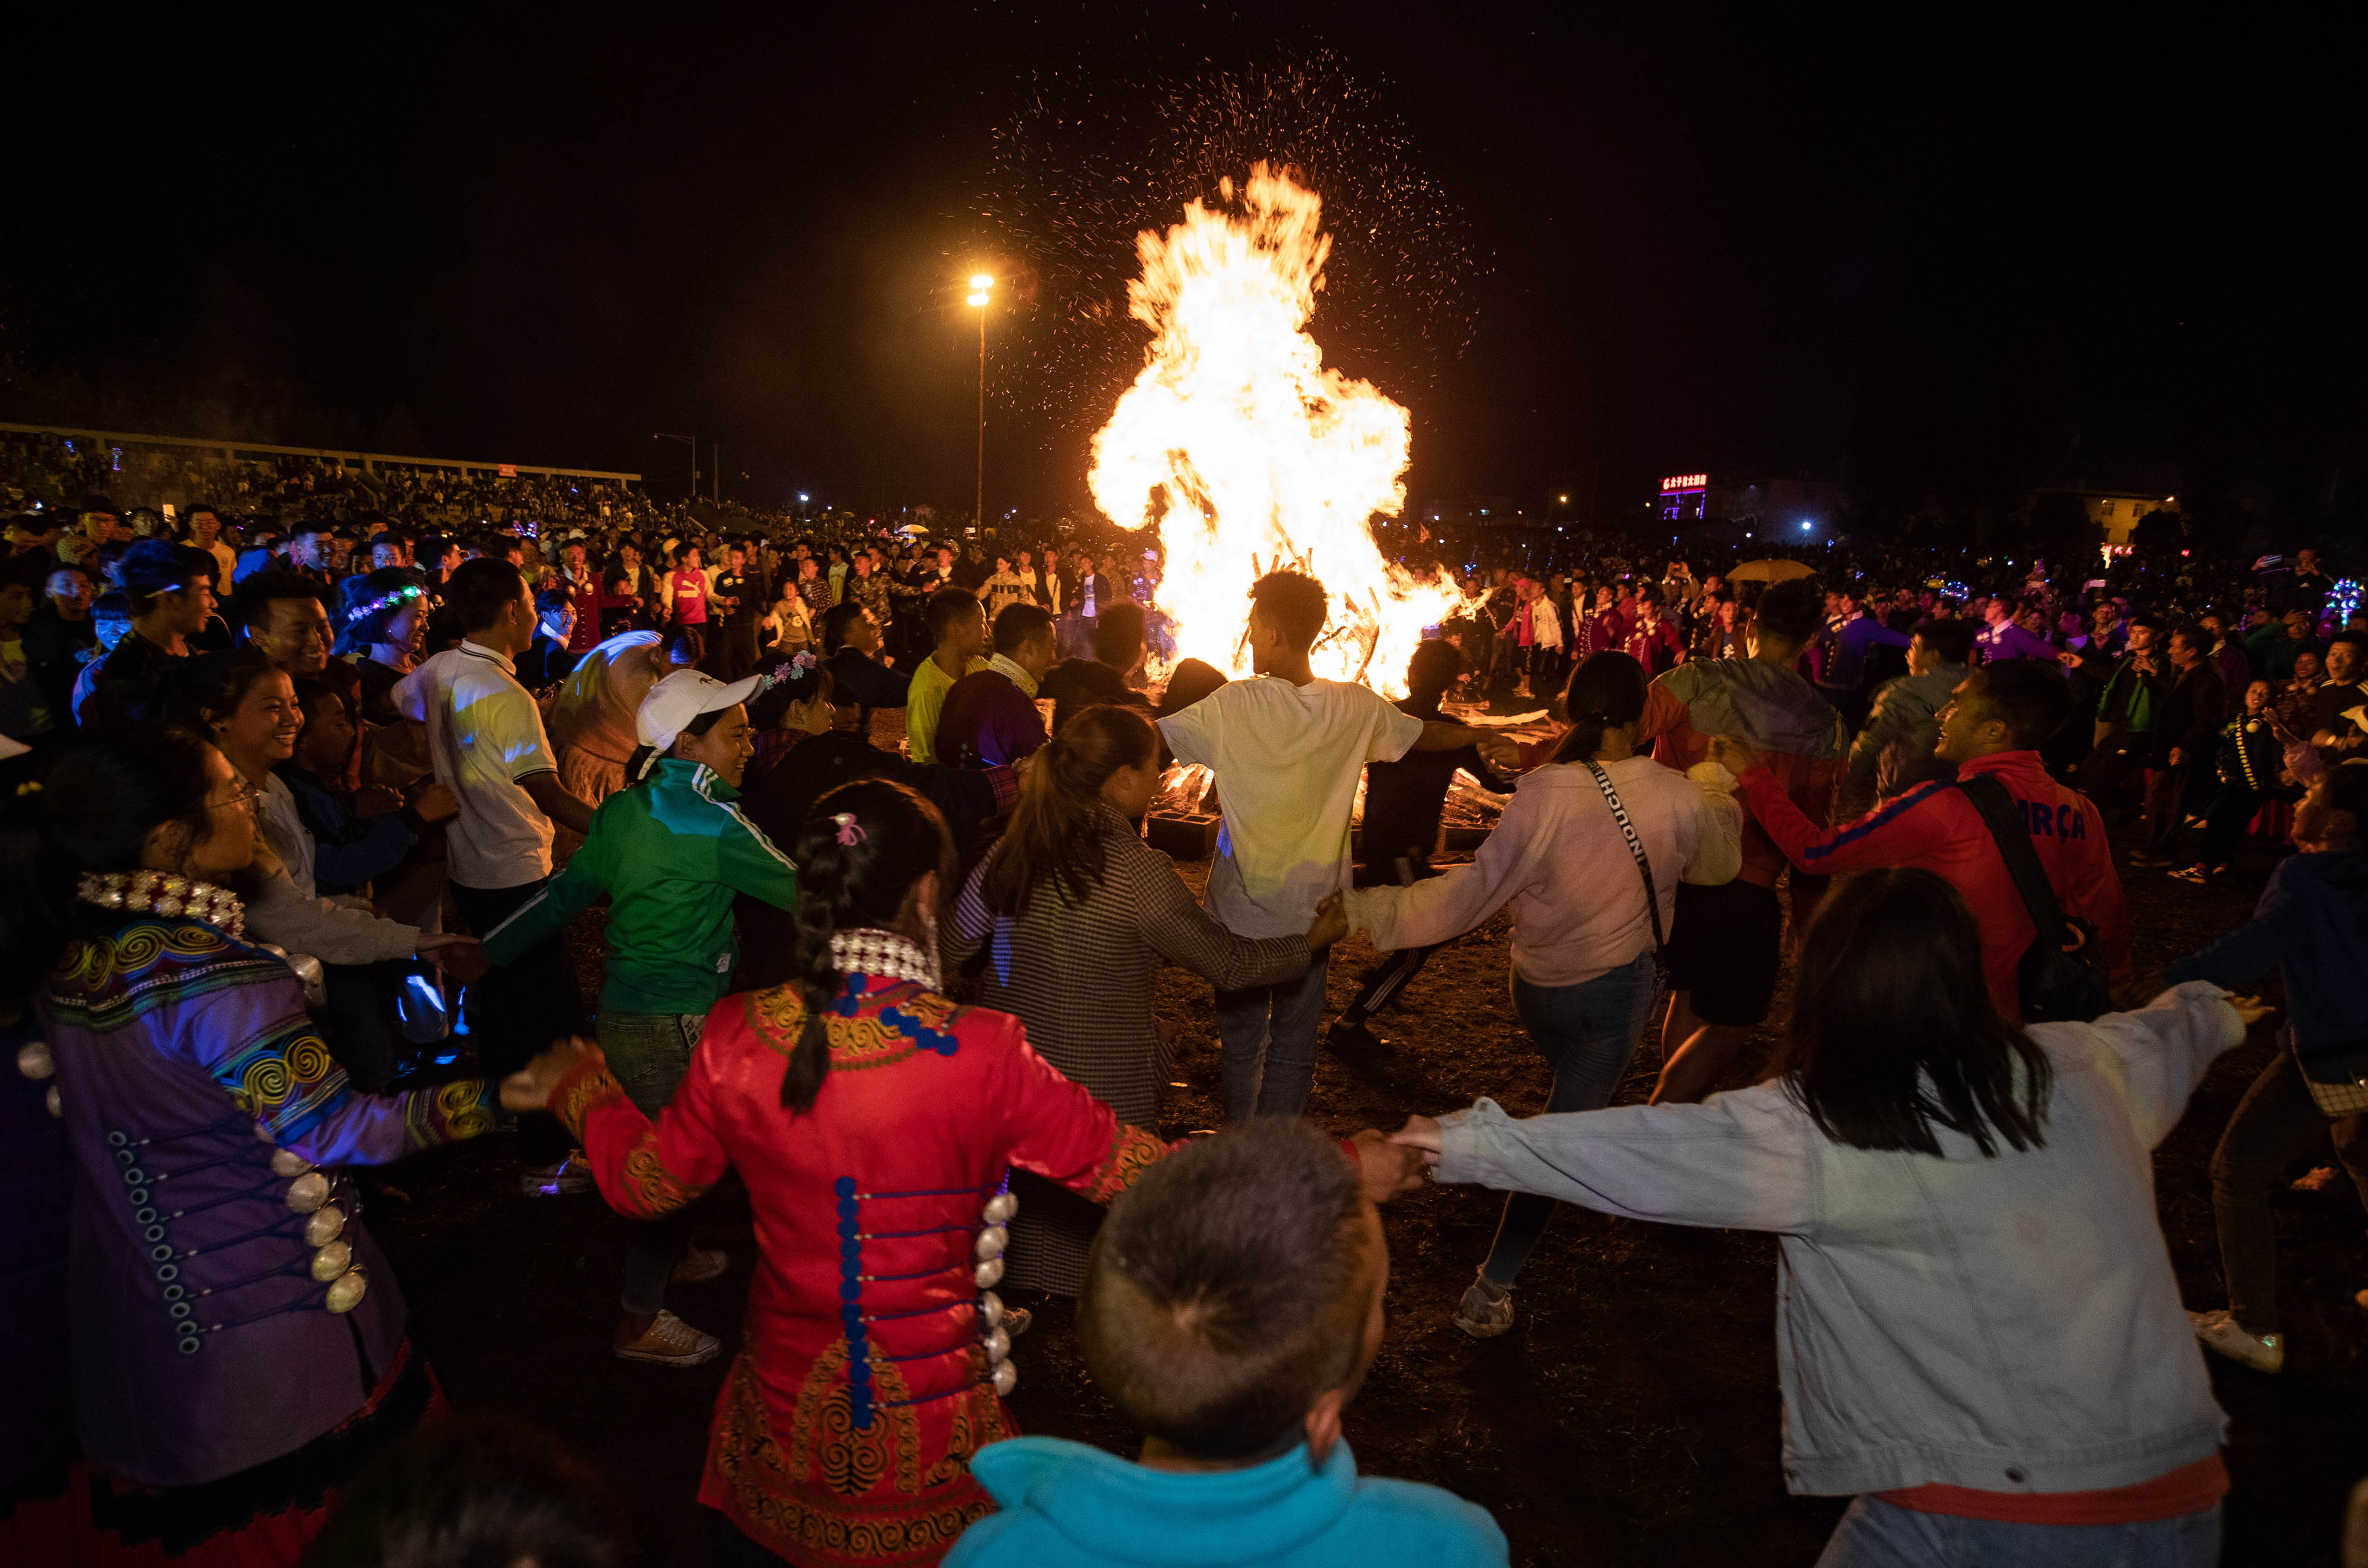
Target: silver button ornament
x=988, y=1274
x=1007, y=1377
x=990, y=1310
x=1000, y=1208
x=325, y=1226
x=331, y=1261
x=288, y=1163
x=308, y=1192
x=991, y=1242
x=346, y=1294
x=33, y=1060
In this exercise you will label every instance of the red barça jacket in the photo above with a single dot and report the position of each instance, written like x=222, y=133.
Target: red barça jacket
x=1934, y=827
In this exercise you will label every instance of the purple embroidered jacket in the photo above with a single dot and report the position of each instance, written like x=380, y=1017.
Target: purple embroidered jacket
x=205, y=1249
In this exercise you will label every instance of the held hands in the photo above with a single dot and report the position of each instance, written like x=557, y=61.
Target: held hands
x=1331, y=923
x=434, y=801
x=1734, y=755
x=2252, y=1009
x=1498, y=751
x=376, y=801
x=530, y=1086
x=1423, y=1135
x=464, y=958
x=1386, y=1168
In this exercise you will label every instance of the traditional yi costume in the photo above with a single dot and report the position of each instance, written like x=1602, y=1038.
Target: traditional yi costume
x=237, y=1344
x=875, y=1353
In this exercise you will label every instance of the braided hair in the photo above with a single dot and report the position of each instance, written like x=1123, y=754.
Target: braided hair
x=853, y=873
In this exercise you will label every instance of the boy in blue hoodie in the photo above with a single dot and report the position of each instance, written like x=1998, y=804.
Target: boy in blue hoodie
x=1232, y=1306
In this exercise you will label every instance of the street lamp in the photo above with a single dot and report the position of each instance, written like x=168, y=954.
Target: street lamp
x=692, y=442
x=981, y=284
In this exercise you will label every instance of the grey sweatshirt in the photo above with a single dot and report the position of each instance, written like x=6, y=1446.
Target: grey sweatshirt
x=2006, y=1323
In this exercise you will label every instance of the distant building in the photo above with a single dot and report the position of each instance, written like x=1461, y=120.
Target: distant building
x=1763, y=506
x=2115, y=511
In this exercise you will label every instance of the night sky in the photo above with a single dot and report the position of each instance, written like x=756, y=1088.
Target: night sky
x=1944, y=259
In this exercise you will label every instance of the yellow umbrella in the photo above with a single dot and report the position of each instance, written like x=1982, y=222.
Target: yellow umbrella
x=1768, y=571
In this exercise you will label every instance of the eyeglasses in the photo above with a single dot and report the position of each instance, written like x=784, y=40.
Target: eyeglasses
x=243, y=796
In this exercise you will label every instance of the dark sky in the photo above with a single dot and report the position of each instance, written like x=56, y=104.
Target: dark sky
x=1954, y=259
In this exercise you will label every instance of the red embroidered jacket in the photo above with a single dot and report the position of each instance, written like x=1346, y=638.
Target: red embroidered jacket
x=844, y=1431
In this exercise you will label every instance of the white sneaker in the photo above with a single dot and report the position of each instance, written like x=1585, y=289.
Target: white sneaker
x=671, y=1342
x=1486, y=1309
x=568, y=1176
x=2262, y=1352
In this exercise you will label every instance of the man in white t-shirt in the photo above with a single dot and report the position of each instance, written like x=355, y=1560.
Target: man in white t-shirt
x=1286, y=750
x=486, y=740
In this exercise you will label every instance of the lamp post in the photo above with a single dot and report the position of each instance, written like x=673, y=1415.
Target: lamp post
x=981, y=284
x=692, y=442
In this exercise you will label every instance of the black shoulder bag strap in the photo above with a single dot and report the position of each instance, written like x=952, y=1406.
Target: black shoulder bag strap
x=2060, y=979
x=1644, y=868
x=2013, y=840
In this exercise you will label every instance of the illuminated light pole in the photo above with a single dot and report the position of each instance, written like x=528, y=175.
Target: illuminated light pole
x=980, y=286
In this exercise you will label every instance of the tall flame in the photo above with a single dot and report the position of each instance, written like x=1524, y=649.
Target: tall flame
x=1247, y=453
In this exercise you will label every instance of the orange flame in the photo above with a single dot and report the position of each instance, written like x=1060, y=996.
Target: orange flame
x=1247, y=453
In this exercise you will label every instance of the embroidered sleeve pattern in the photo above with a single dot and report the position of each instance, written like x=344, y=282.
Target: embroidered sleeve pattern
x=286, y=1080
x=644, y=1169
x=588, y=1084
x=450, y=1112
x=1131, y=1153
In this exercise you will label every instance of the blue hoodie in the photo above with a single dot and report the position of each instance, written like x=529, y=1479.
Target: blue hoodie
x=1067, y=1505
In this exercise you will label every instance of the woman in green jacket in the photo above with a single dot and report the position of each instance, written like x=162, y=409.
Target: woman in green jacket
x=670, y=850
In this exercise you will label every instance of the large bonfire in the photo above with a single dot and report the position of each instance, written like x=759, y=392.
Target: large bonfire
x=1247, y=453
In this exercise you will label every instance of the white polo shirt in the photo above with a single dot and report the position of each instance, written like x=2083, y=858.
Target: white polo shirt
x=485, y=737
x=1287, y=759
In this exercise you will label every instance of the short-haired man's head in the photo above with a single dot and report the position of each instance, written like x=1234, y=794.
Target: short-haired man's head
x=1296, y=605
x=1434, y=667
x=1117, y=635
x=1230, y=1287
x=481, y=591
x=1790, y=612
x=1018, y=625
x=2029, y=697
x=1952, y=641
x=949, y=610
x=836, y=621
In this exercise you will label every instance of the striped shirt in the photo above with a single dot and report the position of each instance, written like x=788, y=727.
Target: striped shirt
x=1079, y=975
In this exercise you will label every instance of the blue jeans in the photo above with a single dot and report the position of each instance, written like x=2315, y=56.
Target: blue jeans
x=1587, y=1032
x=1874, y=1534
x=1269, y=1038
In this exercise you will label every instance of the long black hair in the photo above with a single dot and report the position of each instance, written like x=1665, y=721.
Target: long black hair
x=103, y=794
x=1894, y=1030
x=897, y=838
x=1055, y=835
x=1606, y=691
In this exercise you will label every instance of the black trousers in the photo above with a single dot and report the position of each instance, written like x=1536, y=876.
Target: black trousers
x=518, y=1010
x=2107, y=771
x=2276, y=1124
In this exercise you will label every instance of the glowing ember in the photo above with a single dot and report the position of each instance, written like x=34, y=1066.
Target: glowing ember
x=1248, y=454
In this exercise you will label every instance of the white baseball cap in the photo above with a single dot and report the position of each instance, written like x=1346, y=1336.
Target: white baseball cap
x=683, y=696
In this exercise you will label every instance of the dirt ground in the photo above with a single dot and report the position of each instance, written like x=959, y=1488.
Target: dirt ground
x=1630, y=1416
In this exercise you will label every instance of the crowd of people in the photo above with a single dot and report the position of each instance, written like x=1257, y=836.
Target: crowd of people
x=299, y=813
